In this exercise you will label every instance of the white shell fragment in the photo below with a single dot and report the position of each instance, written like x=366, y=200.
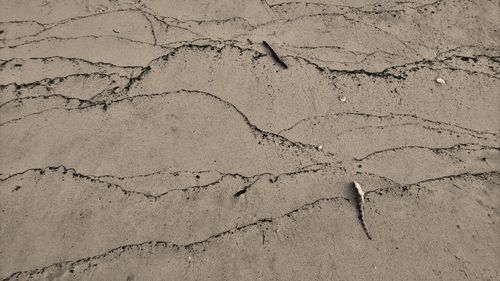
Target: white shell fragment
x=360, y=191
x=343, y=99
x=441, y=81
x=320, y=147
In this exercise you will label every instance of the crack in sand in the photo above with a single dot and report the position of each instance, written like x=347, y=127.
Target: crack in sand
x=436, y=150
x=98, y=179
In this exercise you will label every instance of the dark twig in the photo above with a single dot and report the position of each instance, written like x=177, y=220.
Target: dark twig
x=274, y=55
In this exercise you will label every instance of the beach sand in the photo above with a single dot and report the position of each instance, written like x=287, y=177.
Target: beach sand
x=163, y=140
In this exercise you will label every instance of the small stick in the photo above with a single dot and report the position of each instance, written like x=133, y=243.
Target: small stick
x=274, y=55
x=361, y=205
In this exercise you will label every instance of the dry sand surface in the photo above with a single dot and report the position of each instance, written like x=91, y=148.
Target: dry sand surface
x=162, y=140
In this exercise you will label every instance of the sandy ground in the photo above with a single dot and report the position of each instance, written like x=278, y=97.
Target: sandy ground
x=161, y=140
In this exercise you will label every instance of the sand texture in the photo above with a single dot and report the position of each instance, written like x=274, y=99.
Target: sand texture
x=163, y=140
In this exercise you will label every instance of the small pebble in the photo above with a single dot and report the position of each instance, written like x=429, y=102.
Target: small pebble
x=320, y=147
x=343, y=99
x=189, y=258
x=440, y=81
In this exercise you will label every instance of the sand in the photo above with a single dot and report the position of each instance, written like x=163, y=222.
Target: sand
x=161, y=140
